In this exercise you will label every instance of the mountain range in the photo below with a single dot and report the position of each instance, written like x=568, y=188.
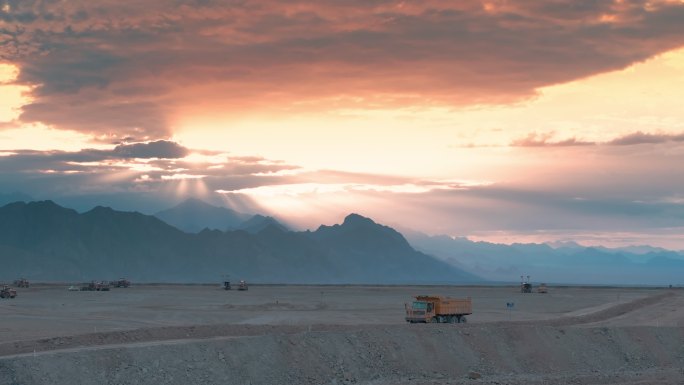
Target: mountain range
x=47, y=242
x=557, y=263
x=197, y=242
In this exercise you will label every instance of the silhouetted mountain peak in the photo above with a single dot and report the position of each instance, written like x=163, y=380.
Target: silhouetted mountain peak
x=257, y=223
x=271, y=229
x=357, y=220
x=101, y=209
x=358, y=230
x=101, y=212
x=45, y=207
x=42, y=204
x=564, y=244
x=208, y=231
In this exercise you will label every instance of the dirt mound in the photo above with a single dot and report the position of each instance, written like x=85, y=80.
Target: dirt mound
x=400, y=354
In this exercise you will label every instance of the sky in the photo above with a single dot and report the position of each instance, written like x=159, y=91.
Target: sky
x=506, y=121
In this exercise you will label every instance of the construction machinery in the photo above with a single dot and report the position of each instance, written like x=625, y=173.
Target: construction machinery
x=122, y=282
x=542, y=289
x=525, y=286
x=95, y=286
x=436, y=309
x=242, y=285
x=7, y=292
x=23, y=282
x=226, y=285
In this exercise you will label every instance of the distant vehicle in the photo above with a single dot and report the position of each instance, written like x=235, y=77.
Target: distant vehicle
x=23, y=282
x=526, y=287
x=242, y=285
x=7, y=292
x=542, y=289
x=73, y=288
x=122, y=282
x=95, y=286
x=226, y=285
x=436, y=309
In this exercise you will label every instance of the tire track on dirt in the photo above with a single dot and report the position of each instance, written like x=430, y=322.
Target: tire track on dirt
x=611, y=312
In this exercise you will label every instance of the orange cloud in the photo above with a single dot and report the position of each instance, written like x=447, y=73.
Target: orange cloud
x=118, y=69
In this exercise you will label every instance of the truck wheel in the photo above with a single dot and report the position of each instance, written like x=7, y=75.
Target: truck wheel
x=464, y=320
x=453, y=319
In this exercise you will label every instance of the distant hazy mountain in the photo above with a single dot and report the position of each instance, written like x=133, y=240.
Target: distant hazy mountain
x=259, y=222
x=43, y=241
x=563, y=263
x=194, y=215
x=638, y=250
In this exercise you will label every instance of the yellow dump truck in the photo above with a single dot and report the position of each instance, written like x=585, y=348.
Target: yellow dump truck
x=428, y=309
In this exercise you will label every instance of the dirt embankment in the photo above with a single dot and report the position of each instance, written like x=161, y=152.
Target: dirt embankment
x=417, y=354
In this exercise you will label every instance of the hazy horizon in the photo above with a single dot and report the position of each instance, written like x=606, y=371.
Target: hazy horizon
x=581, y=240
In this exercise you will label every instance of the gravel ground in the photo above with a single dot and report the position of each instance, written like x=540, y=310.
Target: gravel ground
x=50, y=311
x=587, y=341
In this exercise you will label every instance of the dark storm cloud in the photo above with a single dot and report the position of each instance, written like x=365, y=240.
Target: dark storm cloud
x=115, y=69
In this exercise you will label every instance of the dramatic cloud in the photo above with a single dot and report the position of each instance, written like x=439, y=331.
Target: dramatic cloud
x=131, y=69
x=160, y=149
x=455, y=117
x=132, y=167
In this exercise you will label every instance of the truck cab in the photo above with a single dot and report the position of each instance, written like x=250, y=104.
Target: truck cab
x=419, y=311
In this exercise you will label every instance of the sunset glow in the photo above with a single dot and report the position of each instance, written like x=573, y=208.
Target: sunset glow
x=451, y=119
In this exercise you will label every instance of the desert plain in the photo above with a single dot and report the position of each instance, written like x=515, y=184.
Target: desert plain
x=288, y=334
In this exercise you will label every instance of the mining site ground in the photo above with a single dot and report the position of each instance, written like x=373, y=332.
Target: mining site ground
x=199, y=334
